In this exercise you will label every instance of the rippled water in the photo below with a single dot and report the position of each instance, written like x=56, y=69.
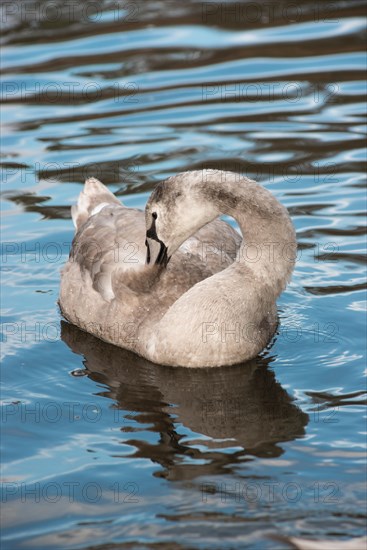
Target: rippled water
x=101, y=447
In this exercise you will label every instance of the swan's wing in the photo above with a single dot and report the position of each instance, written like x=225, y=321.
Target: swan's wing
x=111, y=240
x=93, y=197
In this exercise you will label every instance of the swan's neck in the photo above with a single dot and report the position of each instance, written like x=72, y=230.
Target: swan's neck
x=269, y=246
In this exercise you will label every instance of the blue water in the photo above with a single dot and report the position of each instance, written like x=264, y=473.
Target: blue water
x=102, y=449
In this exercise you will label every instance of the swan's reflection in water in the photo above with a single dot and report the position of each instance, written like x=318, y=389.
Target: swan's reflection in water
x=241, y=410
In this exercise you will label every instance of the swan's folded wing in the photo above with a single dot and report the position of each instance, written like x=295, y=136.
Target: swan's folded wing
x=111, y=240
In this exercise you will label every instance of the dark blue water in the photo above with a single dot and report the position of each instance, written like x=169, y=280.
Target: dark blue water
x=102, y=449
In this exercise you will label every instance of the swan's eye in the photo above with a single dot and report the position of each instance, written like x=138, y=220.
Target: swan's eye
x=154, y=215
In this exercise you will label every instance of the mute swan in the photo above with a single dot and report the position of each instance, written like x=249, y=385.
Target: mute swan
x=180, y=288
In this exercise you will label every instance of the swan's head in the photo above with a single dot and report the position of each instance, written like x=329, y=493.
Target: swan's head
x=177, y=208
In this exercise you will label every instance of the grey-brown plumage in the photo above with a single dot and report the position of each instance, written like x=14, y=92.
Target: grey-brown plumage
x=214, y=302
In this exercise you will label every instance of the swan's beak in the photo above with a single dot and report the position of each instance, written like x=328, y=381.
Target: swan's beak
x=156, y=253
x=156, y=249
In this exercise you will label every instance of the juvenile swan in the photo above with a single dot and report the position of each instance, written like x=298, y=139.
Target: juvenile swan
x=181, y=288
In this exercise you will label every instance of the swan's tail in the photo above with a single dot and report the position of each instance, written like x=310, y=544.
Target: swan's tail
x=91, y=200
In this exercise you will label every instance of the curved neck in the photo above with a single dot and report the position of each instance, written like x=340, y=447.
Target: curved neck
x=269, y=245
